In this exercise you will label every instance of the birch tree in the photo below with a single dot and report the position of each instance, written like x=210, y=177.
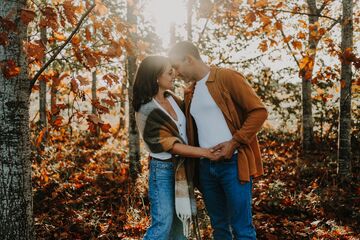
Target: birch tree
x=15, y=166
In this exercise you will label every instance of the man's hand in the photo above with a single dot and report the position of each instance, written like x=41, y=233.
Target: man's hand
x=226, y=149
x=214, y=156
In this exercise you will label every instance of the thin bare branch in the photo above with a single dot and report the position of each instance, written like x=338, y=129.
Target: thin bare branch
x=38, y=74
x=299, y=13
x=288, y=45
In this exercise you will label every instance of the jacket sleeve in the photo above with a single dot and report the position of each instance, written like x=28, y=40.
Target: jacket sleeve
x=245, y=97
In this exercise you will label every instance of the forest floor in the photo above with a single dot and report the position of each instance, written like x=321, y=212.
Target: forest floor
x=82, y=190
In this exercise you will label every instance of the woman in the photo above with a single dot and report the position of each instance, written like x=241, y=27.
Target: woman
x=162, y=125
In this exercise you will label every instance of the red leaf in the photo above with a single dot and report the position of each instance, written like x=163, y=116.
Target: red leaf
x=94, y=119
x=278, y=25
x=7, y=25
x=35, y=50
x=10, y=69
x=4, y=40
x=105, y=127
x=109, y=102
x=83, y=80
x=74, y=86
x=58, y=121
x=69, y=11
x=87, y=33
x=27, y=16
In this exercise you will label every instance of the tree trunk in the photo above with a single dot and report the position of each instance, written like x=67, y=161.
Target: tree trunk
x=344, y=139
x=307, y=117
x=122, y=107
x=42, y=97
x=94, y=97
x=134, y=143
x=189, y=19
x=15, y=169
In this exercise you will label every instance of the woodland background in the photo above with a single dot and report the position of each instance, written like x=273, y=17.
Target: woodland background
x=72, y=165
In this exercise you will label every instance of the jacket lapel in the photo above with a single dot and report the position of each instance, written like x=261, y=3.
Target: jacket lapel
x=215, y=91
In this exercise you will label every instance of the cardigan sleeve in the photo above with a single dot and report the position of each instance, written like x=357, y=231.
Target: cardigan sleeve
x=159, y=132
x=245, y=97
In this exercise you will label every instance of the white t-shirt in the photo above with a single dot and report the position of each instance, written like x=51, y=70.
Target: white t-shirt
x=180, y=123
x=210, y=121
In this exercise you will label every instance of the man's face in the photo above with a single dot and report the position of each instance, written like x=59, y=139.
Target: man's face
x=183, y=68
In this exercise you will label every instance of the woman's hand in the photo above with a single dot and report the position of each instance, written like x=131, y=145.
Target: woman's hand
x=212, y=155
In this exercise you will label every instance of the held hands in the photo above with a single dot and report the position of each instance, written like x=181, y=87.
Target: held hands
x=226, y=149
x=212, y=155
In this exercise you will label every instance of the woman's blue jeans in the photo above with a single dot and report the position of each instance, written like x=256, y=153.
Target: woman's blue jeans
x=227, y=201
x=165, y=224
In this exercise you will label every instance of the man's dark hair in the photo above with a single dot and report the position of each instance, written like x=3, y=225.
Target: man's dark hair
x=184, y=48
x=146, y=85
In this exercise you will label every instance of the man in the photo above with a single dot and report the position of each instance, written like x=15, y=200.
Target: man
x=223, y=112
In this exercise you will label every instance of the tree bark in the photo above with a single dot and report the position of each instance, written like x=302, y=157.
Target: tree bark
x=134, y=143
x=307, y=116
x=42, y=97
x=190, y=6
x=15, y=167
x=94, y=97
x=344, y=138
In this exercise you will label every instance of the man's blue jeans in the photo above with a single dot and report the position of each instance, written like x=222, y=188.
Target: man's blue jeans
x=165, y=224
x=227, y=201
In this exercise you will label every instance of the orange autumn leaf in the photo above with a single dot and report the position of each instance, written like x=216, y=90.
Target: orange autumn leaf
x=59, y=36
x=265, y=19
x=87, y=34
x=76, y=40
x=263, y=46
x=278, y=25
x=40, y=137
x=27, y=15
x=308, y=75
x=250, y=18
x=58, y=121
x=306, y=63
x=35, y=50
x=69, y=11
x=301, y=35
x=10, y=69
x=261, y=3
x=296, y=44
x=287, y=39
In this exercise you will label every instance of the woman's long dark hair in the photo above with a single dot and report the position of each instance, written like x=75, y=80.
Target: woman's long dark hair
x=145, y=85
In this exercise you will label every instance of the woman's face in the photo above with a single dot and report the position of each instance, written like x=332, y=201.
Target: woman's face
x=166, y=79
